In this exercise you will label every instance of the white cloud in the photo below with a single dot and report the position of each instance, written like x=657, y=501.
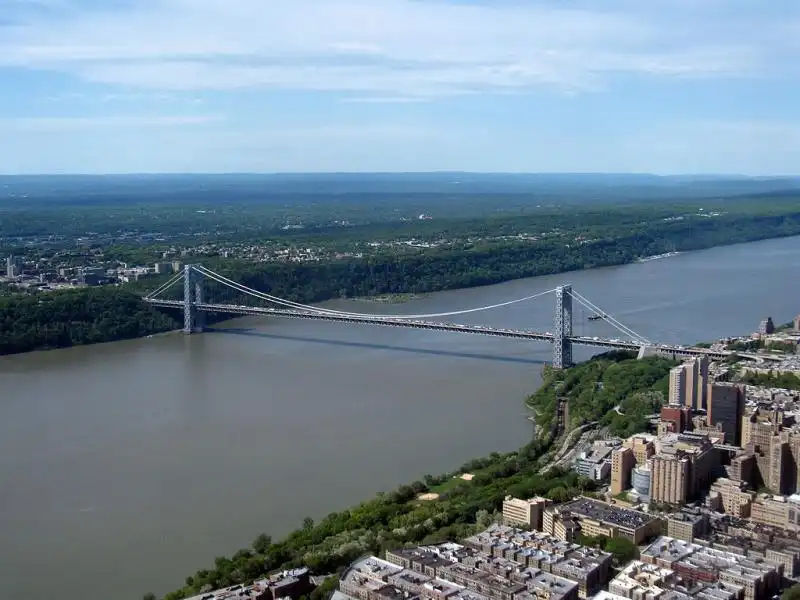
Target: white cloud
x=396, y=48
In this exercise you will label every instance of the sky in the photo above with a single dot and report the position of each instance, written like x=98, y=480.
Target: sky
x=657, y=86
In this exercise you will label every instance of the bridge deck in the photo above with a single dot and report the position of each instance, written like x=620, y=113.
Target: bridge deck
x=434, y=326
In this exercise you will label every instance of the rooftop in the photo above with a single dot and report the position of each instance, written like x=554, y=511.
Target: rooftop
x=643, y=577
x=607, y=513
x=669, y=549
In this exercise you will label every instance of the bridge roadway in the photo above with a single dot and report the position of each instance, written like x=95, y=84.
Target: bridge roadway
x=452, y=327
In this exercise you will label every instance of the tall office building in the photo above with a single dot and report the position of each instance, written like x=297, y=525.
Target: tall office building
x=726, y=407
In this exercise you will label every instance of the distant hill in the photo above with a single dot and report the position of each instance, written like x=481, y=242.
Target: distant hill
x=101, y=189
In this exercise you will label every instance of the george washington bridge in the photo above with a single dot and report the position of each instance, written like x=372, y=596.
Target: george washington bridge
x=201, y=290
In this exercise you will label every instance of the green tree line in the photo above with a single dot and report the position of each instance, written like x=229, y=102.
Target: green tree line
x=76, y=317
x=89, y=316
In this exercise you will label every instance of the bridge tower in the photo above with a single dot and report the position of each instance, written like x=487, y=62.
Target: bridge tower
x=193, y=319
x=562, y=344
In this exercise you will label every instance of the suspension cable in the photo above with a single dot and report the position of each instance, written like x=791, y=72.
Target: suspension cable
x=621, y=327
x=299, y=306
x=165, y=286
x=609, y=318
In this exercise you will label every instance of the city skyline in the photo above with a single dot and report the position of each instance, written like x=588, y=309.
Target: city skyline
x=399, y=86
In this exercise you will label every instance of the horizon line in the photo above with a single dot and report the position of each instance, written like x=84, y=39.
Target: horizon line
x=430, y=172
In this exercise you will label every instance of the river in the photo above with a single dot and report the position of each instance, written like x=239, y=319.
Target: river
x=125, y=467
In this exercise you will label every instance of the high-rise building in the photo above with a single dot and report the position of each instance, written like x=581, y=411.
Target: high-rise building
x=622, y=461
x=692, y=378
x=726, y=406
x=669, y=479
x=766, y=326
x=163, y=268
x=13, y=266
x=688, y=383
x=681, y=468
x=677, y=385
x=701, y=398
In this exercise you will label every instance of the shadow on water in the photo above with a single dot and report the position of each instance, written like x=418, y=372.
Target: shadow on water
x=410, y=350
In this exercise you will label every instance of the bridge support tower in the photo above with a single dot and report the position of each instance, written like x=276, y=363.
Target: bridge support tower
x=194, y=320
x=562, y=332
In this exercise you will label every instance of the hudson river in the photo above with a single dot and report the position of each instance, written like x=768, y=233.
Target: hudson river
x=126, y=467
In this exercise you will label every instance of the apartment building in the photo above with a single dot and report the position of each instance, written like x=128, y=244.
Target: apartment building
x=525, y=513
x=681, y=468
x=677, y=385
x=688, y=384
x=778, y=511
x=504, y=549
x=642, y=581
x=475, y=577
x=731, y=497
x=687, y=525
x=699, y=564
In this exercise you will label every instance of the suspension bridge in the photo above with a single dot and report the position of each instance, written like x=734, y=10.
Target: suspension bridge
x=193, y=299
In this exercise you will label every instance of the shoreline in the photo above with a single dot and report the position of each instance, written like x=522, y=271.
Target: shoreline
x=404, y=297
x=400, y=298
x=469, y=482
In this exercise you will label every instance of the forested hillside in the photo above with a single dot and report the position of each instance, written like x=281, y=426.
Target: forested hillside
x=614, y=389
x=76, y=317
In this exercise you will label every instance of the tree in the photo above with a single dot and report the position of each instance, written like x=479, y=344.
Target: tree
x=149, y=596
x=623, y=550
x=262, y=543
x=483, y=518
x=559, y=494
x=327, y=587
x=308, y=524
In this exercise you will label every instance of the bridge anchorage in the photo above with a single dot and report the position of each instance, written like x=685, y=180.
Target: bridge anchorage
x=190, y=290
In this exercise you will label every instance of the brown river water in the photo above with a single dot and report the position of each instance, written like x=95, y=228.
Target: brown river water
x=125, y=467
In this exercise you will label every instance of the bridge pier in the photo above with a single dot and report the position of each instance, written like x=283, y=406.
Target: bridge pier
x=193, y=319
x=562, y=332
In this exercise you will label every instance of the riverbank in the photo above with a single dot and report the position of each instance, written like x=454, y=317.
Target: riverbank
x=392, y=298
x=24, y=326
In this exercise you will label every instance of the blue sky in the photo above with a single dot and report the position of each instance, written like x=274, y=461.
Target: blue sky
x=660, y=86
